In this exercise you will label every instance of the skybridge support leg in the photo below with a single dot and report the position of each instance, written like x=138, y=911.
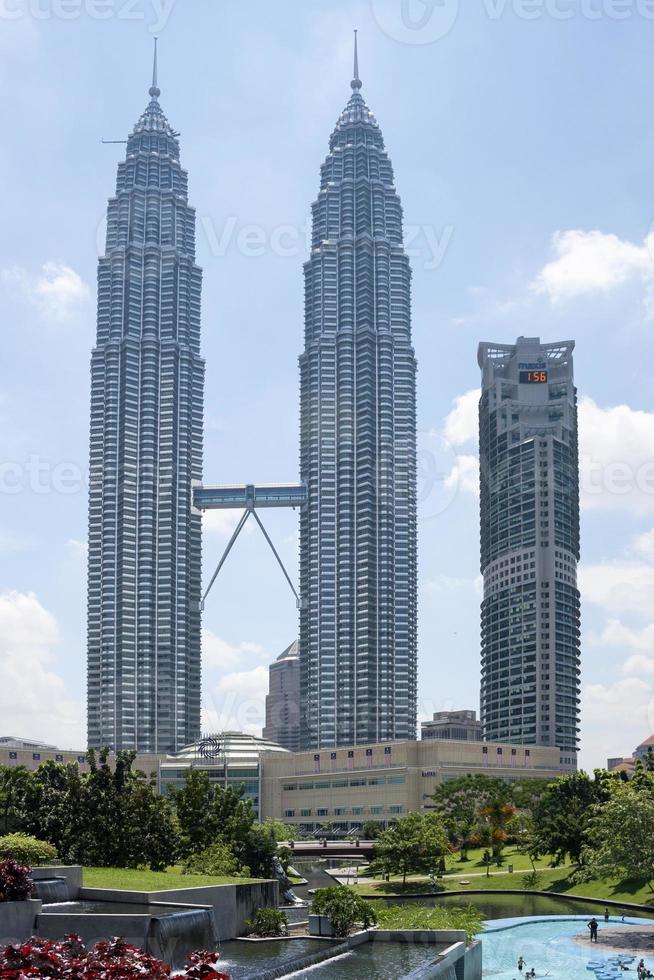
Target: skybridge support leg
x=237, y=530
x=274, y=551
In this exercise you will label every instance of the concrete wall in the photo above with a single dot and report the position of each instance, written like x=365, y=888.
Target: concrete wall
x=472, y=963
x=17, y=920
x=231, y=904
x=71, y=872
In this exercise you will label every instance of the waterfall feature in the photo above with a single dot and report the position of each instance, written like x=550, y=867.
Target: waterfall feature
x=51, y=890
x=175, y=934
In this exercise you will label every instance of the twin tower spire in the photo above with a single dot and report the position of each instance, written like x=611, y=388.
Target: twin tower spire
x=155, y=91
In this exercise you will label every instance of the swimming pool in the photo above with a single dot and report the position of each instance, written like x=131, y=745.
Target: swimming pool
x=547, y=945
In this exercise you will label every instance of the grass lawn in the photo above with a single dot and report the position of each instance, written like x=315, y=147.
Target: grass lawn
x=474, y=868
x=151, y=881
x=555, y=880
x=475, y=864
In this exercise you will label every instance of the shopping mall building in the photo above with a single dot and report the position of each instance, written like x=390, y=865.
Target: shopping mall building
x=343, y=787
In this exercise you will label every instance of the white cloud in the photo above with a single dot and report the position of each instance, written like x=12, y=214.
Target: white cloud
x=216, y=652
x=638, y=664
x=237, y=702
x=616, y=457
x=590, y=262
x=12, y=543
x=223, y=522
x=615, y=718
x=34, y=702
x=450, y=583
x=462, y=425
x=464, y=475
x=57, y=292
x=619, y=586
x=616, y=634
x=644, y=545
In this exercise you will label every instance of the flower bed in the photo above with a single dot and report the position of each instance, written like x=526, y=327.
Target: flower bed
x=114, y=960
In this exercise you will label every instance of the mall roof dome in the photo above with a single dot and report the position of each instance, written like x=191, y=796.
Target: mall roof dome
x=220, y=745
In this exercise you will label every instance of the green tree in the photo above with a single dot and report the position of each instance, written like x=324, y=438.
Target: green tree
x=498, y=816
x=257, y=850
x=105, y=818
x=51, y=808
x=371, y=830
x=280, y=830
x=13, y=785
x=413, y=845
x=562, y=815
x=620, y=837
x=193, y=804
x=459, y=802
x=208, y=813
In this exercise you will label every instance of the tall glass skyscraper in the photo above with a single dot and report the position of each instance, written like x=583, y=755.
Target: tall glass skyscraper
x=147, y=385
x=358, y=451
x=529, y=487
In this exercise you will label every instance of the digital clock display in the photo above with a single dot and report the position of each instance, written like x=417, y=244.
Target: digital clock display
x=533, y=377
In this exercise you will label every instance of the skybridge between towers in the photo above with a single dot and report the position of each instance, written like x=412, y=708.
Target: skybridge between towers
x=250, y=498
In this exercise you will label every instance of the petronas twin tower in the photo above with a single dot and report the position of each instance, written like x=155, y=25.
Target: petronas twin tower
x=357, y=454
x=358, y=451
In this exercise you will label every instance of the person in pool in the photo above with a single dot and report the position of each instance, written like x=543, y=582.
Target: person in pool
x=521, y=964
x=592, y=927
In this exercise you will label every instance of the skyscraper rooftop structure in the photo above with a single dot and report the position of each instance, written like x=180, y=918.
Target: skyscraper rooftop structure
x=147, y=382
x=357, y=450
x=283, y=700
x=529, y=519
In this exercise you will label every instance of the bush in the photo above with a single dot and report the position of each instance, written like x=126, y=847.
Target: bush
x=26, y=849
x=113, y=959
x=15, y=884
x=268, y=922
x=344, y=908
x=531, y=879
x=219, y=859
x=413, y=916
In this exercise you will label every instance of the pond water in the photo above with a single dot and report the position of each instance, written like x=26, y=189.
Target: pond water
x=247, y=959
x=550, y=948
x=374, y=961
x=509, y=906
x=108, y=908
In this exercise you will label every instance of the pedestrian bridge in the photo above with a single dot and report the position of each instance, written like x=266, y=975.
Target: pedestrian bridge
x=330, y=848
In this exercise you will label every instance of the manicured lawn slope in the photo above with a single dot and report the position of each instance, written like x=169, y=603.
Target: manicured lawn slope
x=555, y=880
x=151, y=881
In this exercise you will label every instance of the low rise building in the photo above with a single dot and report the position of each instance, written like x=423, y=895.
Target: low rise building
x=644, y=752
x=349, y=786
x=31, y=754
x=343, y=787
x=453, y=725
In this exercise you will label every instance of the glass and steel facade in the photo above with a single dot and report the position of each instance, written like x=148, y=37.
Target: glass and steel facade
x=147, y=382
x=529, y=519
x=357, y=451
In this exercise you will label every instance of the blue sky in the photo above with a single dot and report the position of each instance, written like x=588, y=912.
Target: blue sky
x=522, y=136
